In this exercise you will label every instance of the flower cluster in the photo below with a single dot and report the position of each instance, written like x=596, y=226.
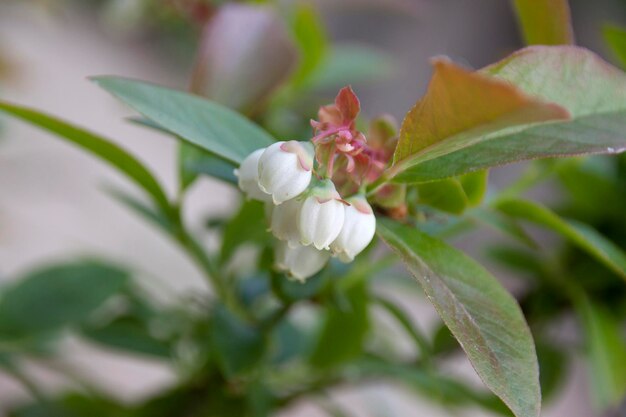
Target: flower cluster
x=299, y=183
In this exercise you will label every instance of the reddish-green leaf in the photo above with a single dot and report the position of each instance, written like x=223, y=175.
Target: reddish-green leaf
x=592, y=91
x=545, y=22
x=481, y=314
x=460, y=108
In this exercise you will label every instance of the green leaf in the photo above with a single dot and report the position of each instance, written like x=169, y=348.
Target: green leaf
x=311, y=39
x=580, y=234
x=238, y=345
x=245, y=54
x=504, y=224
x=475, y=186
x=593, y=92
x=606, y=354
x=447, y=195
x=100, y=147
x=482, y=315
x=344, y=330
x=246, y=226
x=57, y=296
x=139, y=207
x=204, y=123
x=545, y=22
x=616, y=38
x=128, y=335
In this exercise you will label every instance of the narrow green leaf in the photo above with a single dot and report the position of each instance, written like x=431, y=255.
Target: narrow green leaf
x=128, y=335
x=606, y=354
x=204, y=123
x=475, y=186
x=616, y=38
x=58, y=296
x=139, y=207
x=344, y=330
x=310, y=36
x=238, y=346
x=504, y=224
x=592, y=91
x=100, y=147
x=545, y=22
x=481, y=314
x=580, y=234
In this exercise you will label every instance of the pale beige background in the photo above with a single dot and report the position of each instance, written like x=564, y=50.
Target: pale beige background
x=52, y=205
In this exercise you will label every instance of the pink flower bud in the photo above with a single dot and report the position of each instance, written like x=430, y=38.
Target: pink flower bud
x=285, y=170
x=357, y=232
x=321, y=216
x=300, y=262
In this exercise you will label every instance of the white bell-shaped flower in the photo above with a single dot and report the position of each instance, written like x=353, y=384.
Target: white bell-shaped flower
x=358, y=230
x=321, y=216
x=285, y=170
x=300, y=262
x=248, y=175
x=284, y=221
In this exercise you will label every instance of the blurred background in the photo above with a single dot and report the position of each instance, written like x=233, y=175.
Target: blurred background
x=51, y=201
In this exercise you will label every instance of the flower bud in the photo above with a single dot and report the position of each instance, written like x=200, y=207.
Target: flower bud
x=284, y=222
x=285, y=170
x=248, y=175
x=299, y=261
x=357, y=232
x=321, y=216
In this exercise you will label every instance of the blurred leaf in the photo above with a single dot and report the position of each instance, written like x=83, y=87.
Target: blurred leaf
x=606, y=354
x=446, y=195
x=616, y=38
x=128, y=335
x=102, y=148
x=504, y=224
x=475, y=186
x=57, y=296
x=344, y=329
x=238, y=346
x=203, y=123
x=421, y=343
x=580, y=234
x=481, y=314
x=351, y=64
x=139, y=207
x=545, y=22
x=593, y=92
x=435, y=126
x=553, y=366
x=245, y=54
x=73, y=405
x=246, y=226
x=310, y=36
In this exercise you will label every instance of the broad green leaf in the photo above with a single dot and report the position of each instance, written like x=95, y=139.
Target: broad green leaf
x=482, y=315
x=204, y=123
x=193, y=160
x=102, y=148
x=57, y=296
x=545, y=22
x=606, y=354
x=311, y=39
x=344, y=329
x=245, y=54
x=238, y=345
x=459, y=109
x=616, y=38
x=580, y=234
x=447, y=195
x=592, y=91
